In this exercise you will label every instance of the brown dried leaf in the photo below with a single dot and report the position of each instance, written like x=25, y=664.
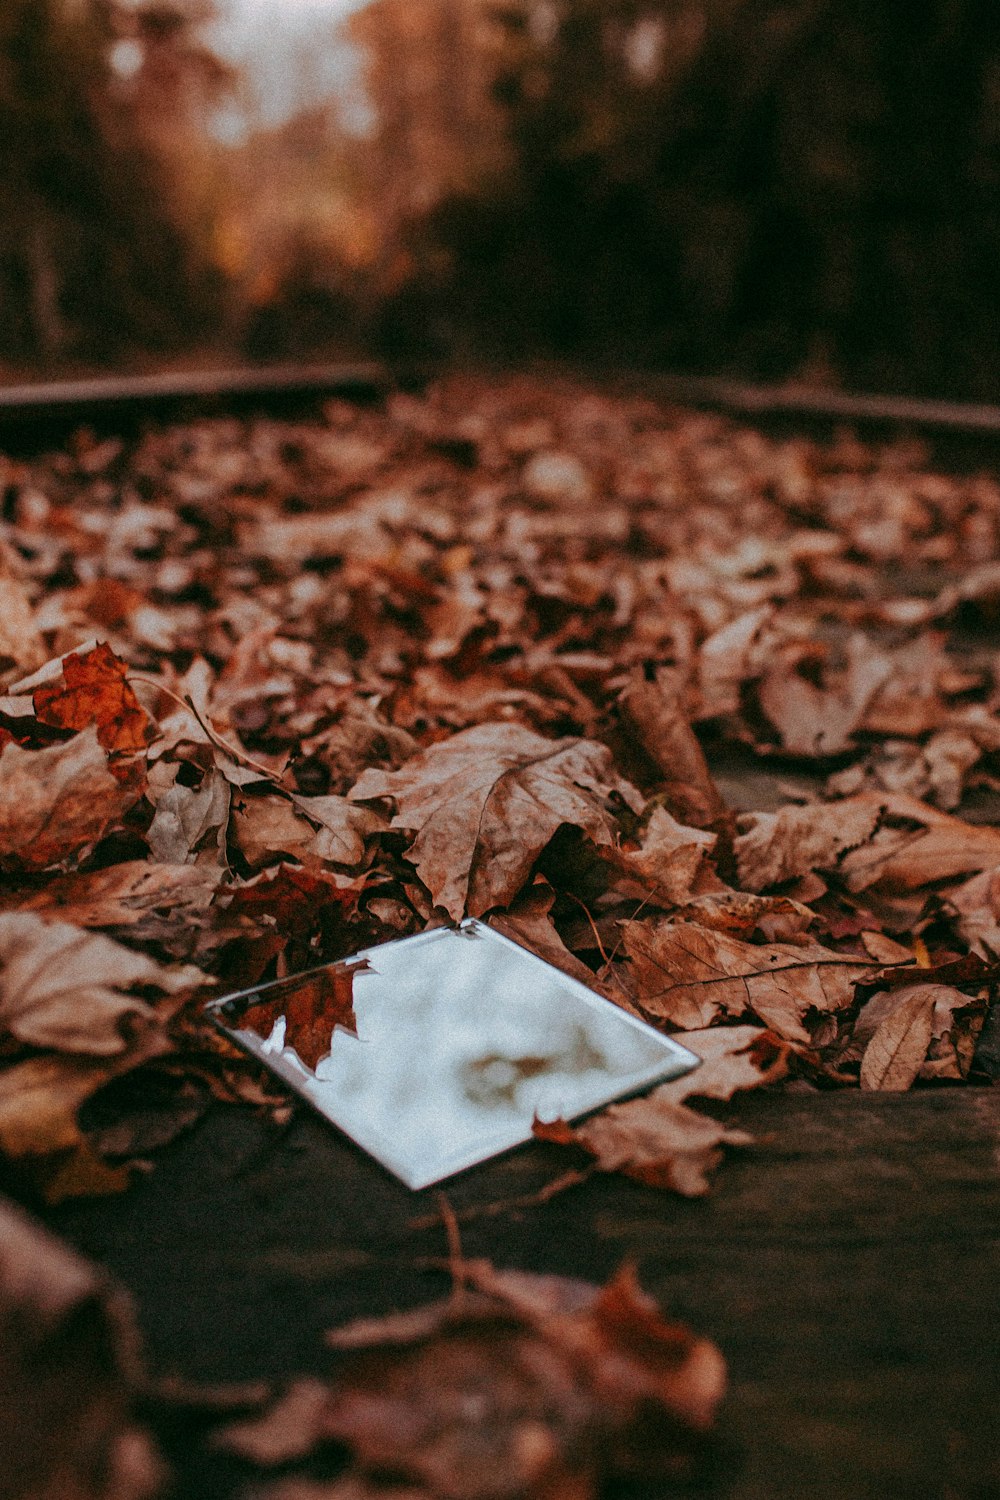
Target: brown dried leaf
x=327, y=828
x=20, y=641
x=485, y=803
x=188, y=819
x=69, y=990
x=68, y=1352
x=655, y=713
x=670, y=863
x=657, y=1139
x=57, y=802
x=692, y=976
x=817, y=721
x=517, y=1385
x=124, y=895
x=899, y=1043
x=775, y=847
x=529, y=923
x=941, y=847
x=39, y=1101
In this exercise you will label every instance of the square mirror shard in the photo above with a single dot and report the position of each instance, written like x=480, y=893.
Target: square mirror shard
x=436, y=1052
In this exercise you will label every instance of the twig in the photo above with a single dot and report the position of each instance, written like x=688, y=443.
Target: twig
x=593, y=927
x=456, y=1260
x=644, y=902
x=505, y=1205
x=213, y=734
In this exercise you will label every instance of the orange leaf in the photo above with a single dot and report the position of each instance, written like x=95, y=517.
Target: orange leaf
x=94, y=690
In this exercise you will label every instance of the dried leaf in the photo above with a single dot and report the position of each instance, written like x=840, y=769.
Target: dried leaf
x=485, y=803
x=127, y=894
x=187, y=818
x=670, y=863
x=690, y=976
x=69, y=990
x=327, y=828
x=520, y=1385
x=68, y=1354
x=775, y=847
x=655, y=713
x=20, y=641
x=95, y=690
x=940, y=847
x=56, y=803
x=899, y=1044
x=660, y=1141
x=822, y=721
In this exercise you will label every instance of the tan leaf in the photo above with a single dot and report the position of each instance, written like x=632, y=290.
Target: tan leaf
x=39, y=1100
x=692, y=976
x=20, y=642
x=187, y=816
x=885, y=950
x=485, y=803
x=822, y=721
x=57, y=802
x=779, y=918
x=899, y=1044
x=529, y=923
x=670, y=862
x=69, y=990
x=976, y=904
x=658, y=1139
x=940, y=847
x=655, y=713
x=125, y=894
x=327, y=828
x=776, y=847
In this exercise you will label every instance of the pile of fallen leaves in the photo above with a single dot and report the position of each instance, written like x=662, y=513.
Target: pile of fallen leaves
x=274, y=691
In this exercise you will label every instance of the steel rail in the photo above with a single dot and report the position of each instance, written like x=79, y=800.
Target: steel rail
x=52, y=406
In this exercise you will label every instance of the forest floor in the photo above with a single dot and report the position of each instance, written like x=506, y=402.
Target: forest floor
x=706, y=717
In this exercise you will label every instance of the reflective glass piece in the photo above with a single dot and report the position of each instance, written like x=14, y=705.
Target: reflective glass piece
x=462, y=1037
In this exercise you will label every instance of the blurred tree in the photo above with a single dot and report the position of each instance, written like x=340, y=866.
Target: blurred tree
x=93, y=262
x=765, y=185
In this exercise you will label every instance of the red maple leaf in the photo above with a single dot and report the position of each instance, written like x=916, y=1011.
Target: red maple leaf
x=313, y=1006
x=94, y=690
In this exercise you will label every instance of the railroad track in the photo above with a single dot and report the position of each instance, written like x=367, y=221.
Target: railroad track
x=42, y=412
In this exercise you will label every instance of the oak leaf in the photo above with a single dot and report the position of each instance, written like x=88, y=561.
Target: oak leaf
x=57, y=802
x=485, y=803
x=691, y=976
x=70, y=990
x=95, y=690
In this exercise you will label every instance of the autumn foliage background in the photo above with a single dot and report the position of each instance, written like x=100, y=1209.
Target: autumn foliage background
x=792, y=189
